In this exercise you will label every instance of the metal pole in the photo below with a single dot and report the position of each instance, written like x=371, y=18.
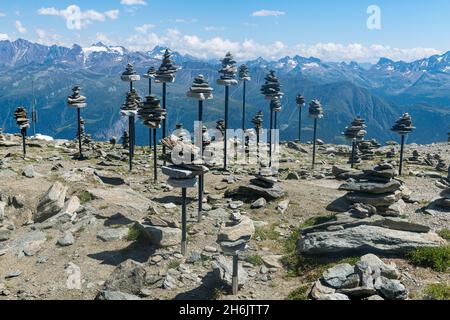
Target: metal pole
x=235, y=280
x=257, y=147
x=401, y=155
x=227, y=97
x=24, y=144
x=244, y=105
x=150, y=130
x=270, y=137
x=201, y=178
x=299, y=124
x=130, y=146
x=155, y=160
x=314, y=144
x=164, y=125
x=183, y=223
x=79, y=134
x=353, y=153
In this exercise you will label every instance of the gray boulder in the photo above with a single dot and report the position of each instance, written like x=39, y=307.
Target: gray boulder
x=223, y=270
x=51, y=202
x=107, y=295
x=128, y=277
x=391, y=289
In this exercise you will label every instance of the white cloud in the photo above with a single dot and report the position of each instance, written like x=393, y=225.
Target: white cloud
x=212, y=28
x=2, y=14
x=216, y=47
x=144, y=28
x=268, y=13
x=78, y=19
x=186, y=21
x=20, y=27
x=3, y=36
x=48, y=38
x=133, y=2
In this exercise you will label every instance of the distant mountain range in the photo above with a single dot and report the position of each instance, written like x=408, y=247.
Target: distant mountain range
x=380, y=93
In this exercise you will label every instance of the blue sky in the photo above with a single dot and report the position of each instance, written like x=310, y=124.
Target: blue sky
x=328, y=29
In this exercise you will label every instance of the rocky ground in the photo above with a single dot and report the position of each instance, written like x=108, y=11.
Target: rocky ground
x=69, y=228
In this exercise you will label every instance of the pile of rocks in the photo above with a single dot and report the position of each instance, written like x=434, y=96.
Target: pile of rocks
x=366, y=149
x=151, y=112
x=161, y=231
x=347, y=235
x=376, y=188
x=444, y=201
x=130, y=105
x=180, y=177
x=263, y=185
x=271, y=89
x=200, y=89
x=369, y=279
x=130, y=75
x=234, y=236
x=21, y=118
x=228, y=71
x=167, y=71
x=76, y=99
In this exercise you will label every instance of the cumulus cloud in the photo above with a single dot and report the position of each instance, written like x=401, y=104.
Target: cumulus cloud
x=216, y=47
x=20, y=27
x=2, y=14
x=78, y=19
x=3, y=36
x=144, y=28
x=48, y=38
x=133, y=2
x=212, y=28
x=268, y=13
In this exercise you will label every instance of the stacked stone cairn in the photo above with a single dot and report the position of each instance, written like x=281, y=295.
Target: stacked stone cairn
x=233, y=238
x=151, y=73
x=441, y=165
x=403, y=125
x=228, y=71
x=244, y=74
x=366, y=149
x=444, y=201
x=316, y=110
x=130, y=106
x=377, y=191
x=167, y=71
x=21, y=118
x=355, y=132
x=369, y=279
x=271, y=89
x=151, y=113
x=264, y=185
x=76, y=100
x=200, y=89
x=85, y=138
x=130, y=75
x=125, y=140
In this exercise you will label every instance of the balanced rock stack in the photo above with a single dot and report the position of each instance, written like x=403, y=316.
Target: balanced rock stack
x=315, y=109
x=85, y=138
x=21, y=118
x=151, y=73
x=167, y=71
x=130, y=75
x=263, y=185
x=125, y=140
x=271, y=89
x=377, y=189
x=244, y=74
x=441, y=165
x=234, y=236
x=130, y=106
x=228, y=71
x=76, y=100
x=367, y=148
x=200, y=89
x=258, y=121
x=300, y=101
x=369, y=279
x=444, y=201
x=180, y=177
x=151, y=112
x=356, y=129
x=275, y=105
x=403, y=125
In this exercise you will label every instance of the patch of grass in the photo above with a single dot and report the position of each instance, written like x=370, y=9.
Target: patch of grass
x=134, y=233
x=317, y=220
x=438, y=291
x=299, y=294
x=437, y=258
x=267, y=233
x=217, y=293
x=174, y=264
x=84, y=197
x=255, y=260
x=445, y=234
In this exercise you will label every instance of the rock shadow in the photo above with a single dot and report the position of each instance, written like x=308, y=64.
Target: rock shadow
x=137, y=251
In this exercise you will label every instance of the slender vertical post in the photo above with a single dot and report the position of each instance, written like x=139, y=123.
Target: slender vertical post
x=352, y=161
x=227, y=97
x=314, y=144
x=244, y=105
x=155, y=160
x=24, y=144
x=401, y=155
x=164, y=125
x=183, y=222
x=235, y=279
x=150, y=130
x=201, y=178
x=299, y=125
x=130, y=146
x=257, y=147
x=270, y=137
x=79, y=134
